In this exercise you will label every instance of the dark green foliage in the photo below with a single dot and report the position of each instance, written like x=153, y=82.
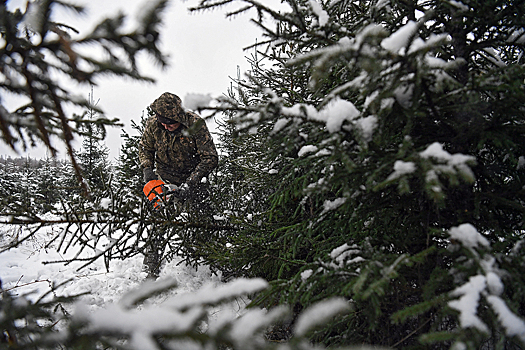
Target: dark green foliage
x=93, y=156
x=128, y=169
x=389, y=124
x=47, y=181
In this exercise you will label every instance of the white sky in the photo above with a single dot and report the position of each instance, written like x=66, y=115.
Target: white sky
x=205, y=49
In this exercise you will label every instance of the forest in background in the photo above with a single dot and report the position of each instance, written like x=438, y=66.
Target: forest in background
x=372, y=166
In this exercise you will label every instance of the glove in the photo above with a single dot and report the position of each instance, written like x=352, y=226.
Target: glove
x=192, y=181
x=185, y=192
x=149, y=175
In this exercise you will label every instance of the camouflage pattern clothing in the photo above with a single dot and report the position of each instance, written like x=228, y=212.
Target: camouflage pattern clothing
x=185, y=155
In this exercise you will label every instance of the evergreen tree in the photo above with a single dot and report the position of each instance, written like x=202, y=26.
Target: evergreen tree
x=93, y=156
x=128, y=170
x=8, y=186
x=396, y=125
x=27, y=184
x=240, y=187
x=46, y=178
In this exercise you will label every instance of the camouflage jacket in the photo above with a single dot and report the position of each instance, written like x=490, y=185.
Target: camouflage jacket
x=188, y=153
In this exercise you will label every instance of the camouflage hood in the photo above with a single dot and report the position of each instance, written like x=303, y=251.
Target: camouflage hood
x=169, y=106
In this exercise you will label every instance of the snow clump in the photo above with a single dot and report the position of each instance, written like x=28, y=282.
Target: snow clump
x=468, y=236
x=321, y=14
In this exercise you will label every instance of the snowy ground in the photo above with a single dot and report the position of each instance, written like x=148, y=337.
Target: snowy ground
x=109, y=299
x=22, y=271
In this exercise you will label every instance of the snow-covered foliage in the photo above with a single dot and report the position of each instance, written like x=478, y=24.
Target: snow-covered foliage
x=372, y=161
x=485, y=286
x=388, y=124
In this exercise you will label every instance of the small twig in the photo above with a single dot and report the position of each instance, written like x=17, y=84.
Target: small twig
x=48, y=281
x=412, y=333
x=90, y=274
x=25, y=284
x=19, y=280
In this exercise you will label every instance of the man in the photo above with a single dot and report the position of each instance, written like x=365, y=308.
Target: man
x=179, y=146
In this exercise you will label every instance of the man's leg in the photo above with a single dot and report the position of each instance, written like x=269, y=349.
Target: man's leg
x=153, y=256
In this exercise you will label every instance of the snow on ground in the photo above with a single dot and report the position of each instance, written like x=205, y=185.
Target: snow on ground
x=22, y=270
x=110, y=296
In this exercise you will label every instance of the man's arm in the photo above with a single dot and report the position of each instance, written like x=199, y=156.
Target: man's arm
x=147, y=152
x=207, y=154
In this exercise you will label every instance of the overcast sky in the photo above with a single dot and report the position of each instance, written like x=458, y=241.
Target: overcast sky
x=205, y=49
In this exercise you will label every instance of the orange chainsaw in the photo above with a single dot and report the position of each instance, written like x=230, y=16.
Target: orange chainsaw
x=153, y=190
x=159, y=192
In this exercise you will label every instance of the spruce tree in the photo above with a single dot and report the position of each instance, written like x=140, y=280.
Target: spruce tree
x=46, y=179
x=9, y=183
x=93, y=157
x=399, y=136
x=128, y=171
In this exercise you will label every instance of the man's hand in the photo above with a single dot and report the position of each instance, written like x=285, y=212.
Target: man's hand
x=184, y=192
x=192, y=181
x=149, y=175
